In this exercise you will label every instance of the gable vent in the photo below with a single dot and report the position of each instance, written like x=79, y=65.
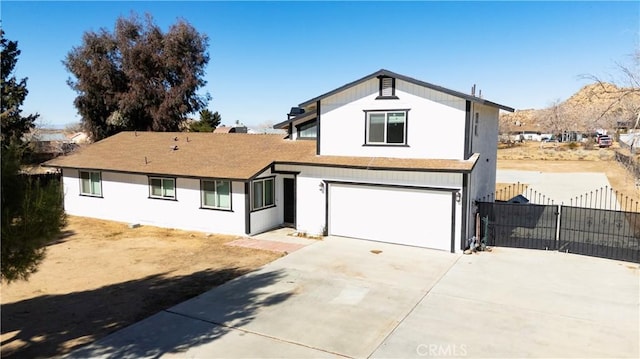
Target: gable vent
x=387, y=86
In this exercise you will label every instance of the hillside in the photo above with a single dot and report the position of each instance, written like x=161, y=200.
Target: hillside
x=597, y=105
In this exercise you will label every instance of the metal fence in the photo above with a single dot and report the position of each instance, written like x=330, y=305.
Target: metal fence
x=588, y=231
x=628, y=162
x=601, y=198
x=600, y=233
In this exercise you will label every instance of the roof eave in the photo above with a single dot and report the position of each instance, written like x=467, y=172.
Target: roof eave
x=238, y=179
x=383, y=72
x=471, y=163
x=283, y=124
x=344, y=87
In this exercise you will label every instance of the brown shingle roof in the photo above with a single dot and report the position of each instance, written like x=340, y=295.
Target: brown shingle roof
x=232, y=156
x=388, y=163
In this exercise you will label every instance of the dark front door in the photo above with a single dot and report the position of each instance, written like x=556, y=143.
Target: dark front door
x=289, y=193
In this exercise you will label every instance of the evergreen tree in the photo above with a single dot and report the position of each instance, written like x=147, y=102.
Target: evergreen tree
x=32, y=212
x=207, y=123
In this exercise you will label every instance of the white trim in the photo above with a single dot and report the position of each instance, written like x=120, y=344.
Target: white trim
x=162, y=187
x=215, y=194
x=273, y=193
x=385, y=140
x=91, y=182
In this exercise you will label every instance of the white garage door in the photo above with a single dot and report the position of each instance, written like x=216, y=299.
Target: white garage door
x=408, y=216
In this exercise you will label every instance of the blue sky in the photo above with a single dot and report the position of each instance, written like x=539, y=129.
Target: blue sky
x=269, y=56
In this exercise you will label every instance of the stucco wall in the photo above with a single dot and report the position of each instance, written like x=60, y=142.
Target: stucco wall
x=126, y=199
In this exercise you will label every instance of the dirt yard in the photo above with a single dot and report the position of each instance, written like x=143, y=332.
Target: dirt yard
x=531, y=156
x=102, y=276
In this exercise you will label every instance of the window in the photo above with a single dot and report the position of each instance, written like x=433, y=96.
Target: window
x=216, y=194
x=475, y=126
x=263, y=193
x=162, y=187
x=386, y=127
x=308, y=129
x=387, y=88
x=90, y=183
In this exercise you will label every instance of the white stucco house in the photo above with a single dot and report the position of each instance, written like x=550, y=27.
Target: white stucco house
x=385, y=158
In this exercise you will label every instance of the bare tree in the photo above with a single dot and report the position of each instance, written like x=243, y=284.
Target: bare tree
x=555, y=118
x=622, y=94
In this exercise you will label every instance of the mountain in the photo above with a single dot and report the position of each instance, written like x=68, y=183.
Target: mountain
x=596, y=105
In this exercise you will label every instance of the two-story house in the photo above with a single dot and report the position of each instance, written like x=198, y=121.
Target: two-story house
x=385, y=158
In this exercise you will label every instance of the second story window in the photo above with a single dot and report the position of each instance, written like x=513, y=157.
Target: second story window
x=308, y=130
x=386, y=127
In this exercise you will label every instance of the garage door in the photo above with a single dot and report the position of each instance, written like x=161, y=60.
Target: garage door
x=408, y=216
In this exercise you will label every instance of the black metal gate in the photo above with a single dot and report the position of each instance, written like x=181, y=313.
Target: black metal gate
x=520, y=225
x=600, y=233
x=594, y=232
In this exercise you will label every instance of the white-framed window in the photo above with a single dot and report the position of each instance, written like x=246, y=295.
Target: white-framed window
x=90, y=183
x=263, y=192
x=216, y=194
x=162, y=187
x=386, y=127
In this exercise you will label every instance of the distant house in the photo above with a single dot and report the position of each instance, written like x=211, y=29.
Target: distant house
x=46, y=144
x=231, y=129
x=385, y=158
x=49, y=142
x=630, y=140
x=267, y=131
x=79, y=138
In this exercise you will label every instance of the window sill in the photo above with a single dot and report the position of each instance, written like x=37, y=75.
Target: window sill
x=217, y=209
x=90, y=195
x=306, y=138
x=163, y=198
x=262, y=208
x=385, y=145
x=387, y=98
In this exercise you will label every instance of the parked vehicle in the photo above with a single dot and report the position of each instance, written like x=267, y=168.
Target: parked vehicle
x=604, y=141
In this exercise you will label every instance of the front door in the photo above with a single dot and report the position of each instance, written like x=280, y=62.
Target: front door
x=289, y=192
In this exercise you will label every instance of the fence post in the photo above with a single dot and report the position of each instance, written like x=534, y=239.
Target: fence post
x=558, y=227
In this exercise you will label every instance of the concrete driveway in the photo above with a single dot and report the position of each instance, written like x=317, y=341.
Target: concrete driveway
x=343, y=297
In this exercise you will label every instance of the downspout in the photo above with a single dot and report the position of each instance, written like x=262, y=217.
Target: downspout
x=247, y=208
x=467, y=131
x=466, y=205
x=318, y=127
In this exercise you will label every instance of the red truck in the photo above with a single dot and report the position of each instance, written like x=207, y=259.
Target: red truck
x=604, y=141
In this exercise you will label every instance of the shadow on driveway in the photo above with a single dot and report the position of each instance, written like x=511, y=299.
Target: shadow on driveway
x=52, y=325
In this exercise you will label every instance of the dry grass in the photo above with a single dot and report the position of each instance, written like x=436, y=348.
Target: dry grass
x=101, y=276
x=541, y=151
x=531, y=157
